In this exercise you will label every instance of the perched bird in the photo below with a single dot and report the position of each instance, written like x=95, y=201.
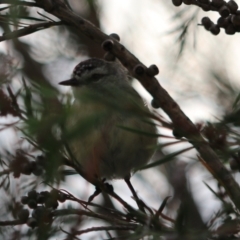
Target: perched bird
x=112, y=133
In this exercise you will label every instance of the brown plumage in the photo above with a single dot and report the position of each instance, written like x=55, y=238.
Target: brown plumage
x=114, y=133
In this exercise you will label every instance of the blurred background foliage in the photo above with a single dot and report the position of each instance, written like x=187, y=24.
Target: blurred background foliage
x=198, y=69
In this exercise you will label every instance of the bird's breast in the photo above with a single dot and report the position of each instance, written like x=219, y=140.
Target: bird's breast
x=108, y=142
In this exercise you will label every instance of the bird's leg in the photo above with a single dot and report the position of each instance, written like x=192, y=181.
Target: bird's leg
x=97, y=190
x=135, y=196
x=108, y=187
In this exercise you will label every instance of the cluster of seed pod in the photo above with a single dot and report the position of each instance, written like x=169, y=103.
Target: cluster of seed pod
x=6, y=106
x=229, y=14
x=216, y=136
x=107, y=46
x=43, y=204
x=20, y=164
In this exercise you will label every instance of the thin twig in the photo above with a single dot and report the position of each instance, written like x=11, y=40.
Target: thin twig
x=11, y=223
x=51, y=20
x=155, y=219
x=28, y=30
x=106, y=228
x=85, y=204
x=15, y=103
x=139, y=202
x=140, y=216
x=64, y=212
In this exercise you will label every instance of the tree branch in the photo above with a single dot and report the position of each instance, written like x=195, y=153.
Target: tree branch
x=182, y=123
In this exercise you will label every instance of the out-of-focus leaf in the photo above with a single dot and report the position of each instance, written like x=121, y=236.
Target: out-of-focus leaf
x=4, y=8
x=68, y=172
x=167, y=158
x=236, y=102
x=138, y=131
x=216, y=195
x=7, y=17
x=27, y=98
x=183, y=28
x=226, y=206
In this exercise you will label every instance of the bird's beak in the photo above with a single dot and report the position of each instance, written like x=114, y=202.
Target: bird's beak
x=70, y=82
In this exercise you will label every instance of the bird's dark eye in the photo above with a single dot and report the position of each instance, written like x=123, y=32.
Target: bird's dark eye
x=96, y=77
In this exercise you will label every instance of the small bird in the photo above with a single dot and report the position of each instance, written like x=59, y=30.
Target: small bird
x=112, y=131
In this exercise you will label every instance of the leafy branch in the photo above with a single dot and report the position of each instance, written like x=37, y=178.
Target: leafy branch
x=182, y=124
